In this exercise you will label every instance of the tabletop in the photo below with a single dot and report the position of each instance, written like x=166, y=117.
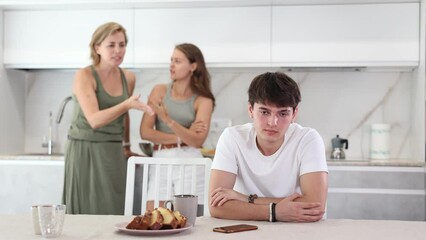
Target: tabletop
x=103, y=227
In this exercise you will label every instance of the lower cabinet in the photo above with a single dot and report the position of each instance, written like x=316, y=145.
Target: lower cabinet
x=24, y=183
x=355, y=192
x=372, y=192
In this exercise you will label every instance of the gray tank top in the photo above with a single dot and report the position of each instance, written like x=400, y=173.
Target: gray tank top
x=181, y=112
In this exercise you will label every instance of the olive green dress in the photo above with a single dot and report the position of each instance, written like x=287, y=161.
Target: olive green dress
x=95, y=165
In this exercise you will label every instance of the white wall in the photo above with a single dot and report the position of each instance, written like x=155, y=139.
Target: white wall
x=344, y=103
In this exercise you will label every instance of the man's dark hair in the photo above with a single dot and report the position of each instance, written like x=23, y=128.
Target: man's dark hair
x=274, y=88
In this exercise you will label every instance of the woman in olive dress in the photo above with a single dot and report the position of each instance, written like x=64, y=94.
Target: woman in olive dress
x=98, y=138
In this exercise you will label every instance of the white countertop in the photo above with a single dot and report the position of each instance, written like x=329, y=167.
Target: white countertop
x=330, y=162
x=56, y=157
x=387, y=162
x=103, y=227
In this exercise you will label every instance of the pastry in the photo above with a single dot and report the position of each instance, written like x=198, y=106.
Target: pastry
x=139, y=223
x=157, y=219
x=169, y=219
x=180, y=218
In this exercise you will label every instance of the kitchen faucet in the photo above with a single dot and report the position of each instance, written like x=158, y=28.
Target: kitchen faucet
x=48, y=143
x=62, y=108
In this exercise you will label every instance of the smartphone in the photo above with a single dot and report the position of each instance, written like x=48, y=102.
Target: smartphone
x=235, y=228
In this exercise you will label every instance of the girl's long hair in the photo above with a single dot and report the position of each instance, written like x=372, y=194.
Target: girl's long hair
x=200, y=79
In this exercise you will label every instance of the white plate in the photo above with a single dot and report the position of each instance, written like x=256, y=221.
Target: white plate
x=122, y=227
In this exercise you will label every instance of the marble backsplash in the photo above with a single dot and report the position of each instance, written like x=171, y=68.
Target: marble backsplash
x=341, y=102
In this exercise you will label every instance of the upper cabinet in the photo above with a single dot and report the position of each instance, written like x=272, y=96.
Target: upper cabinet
x=234, y=36
x=57, y=38
x=384, y=35
x=346, y=35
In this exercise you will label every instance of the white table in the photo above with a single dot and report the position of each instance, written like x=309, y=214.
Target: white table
x=102, y=227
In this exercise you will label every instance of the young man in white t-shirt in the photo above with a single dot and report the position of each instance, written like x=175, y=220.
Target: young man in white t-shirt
x=272, y=169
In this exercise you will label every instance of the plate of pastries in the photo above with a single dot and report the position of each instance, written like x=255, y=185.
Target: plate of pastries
x=160, y=221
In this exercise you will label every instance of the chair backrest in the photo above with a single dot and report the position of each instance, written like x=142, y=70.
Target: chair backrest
x=171, y=163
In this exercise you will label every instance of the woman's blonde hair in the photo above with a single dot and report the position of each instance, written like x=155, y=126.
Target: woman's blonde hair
x=99, y=36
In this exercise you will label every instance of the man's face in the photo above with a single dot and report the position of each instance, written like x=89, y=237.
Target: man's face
x=271, y=122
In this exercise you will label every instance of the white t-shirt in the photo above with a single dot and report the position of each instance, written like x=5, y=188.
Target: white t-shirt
x=269, y=176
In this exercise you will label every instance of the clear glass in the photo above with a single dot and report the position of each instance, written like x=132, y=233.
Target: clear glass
x=51, y=218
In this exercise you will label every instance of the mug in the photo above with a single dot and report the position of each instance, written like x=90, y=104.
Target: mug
x=186, y=204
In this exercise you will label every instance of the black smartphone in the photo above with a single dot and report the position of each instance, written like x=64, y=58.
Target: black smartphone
x=235, y=228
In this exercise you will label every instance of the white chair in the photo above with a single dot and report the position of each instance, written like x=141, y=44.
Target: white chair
x=147, y=162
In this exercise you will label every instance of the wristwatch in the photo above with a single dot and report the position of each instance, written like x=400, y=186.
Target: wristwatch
x=251, y=198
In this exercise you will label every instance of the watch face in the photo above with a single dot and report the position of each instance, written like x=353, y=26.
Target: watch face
x=252, y=197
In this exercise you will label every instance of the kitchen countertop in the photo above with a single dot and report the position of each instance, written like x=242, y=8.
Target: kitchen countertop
x=347, y=162
x=383, y=163
x=35, y=156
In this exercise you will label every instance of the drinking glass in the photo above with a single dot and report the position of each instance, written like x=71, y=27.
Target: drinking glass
x=51, y=218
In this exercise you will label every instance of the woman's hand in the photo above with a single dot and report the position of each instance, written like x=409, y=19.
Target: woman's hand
x=221, y=195
x=198, y=127
x=134, y=103
x=128, y=153
x=160, y=110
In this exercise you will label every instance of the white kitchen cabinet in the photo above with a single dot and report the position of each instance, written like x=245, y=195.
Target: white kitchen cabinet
x=376, y=192
x=346, y=35
x=57, y=38
x=233, y=36
x=24, y=183
x=383, y=35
